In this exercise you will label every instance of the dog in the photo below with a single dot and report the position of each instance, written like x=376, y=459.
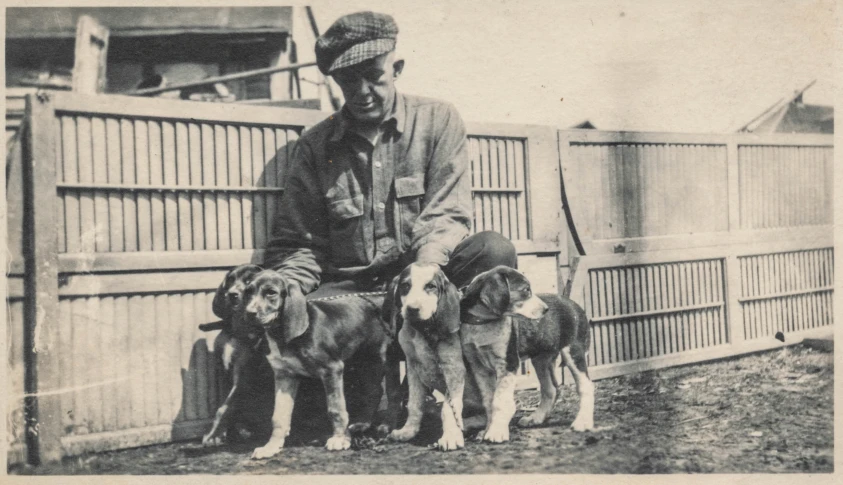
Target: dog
x=241, y=349
x=424, y=306
x=314, y=339
x=503, y=322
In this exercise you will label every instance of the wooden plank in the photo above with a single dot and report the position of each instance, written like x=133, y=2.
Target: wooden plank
x=171, y=203
x=175, y=110
x=147, y=348
x=89, y=56
x=474, y=155
x=141, y=283
x=156, y=176
x=223, y=213
x=209, y=179
x=195, y=179
x=115, y=200
x=107, y=348
x=135, y=336
x=70, y=170
x=41, y=308
x=191, y=303
x=87, y=218
x=127, y=156
x=701, y=355
x=259, y=158
x=117, y=440
x=185, y=224
x=234, y=179
x=123, y=392
x=81, y=365
x=101, y=201
x=523, y=202
x=148, y=169
x=495, y=183
x=65, y=365
x=246, y=179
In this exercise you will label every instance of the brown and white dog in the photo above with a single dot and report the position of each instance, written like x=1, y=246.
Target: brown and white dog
x=240, y=348
x=498, y=303
x=425, y=306
x=314, y=339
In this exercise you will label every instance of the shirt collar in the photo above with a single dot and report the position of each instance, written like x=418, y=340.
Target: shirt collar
x=344, y=121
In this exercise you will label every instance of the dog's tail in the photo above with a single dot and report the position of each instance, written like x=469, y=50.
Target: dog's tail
x=207, y=327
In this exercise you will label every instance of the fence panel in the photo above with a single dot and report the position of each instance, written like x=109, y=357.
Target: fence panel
x=153, y=201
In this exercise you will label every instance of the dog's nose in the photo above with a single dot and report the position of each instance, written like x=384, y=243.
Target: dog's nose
x=413, y=310
x=233, y=298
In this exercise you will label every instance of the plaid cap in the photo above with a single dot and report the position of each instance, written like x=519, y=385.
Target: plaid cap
x=355, y=38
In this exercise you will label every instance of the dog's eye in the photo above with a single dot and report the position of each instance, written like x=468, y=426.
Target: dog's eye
x=270, y=292
x=430, y=287
x=404, y=288
x=527, y=292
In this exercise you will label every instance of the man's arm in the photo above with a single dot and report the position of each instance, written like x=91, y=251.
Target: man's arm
x=299, y=239
x=445, y=219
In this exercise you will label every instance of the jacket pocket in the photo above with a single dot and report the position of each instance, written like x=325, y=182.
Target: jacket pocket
x=408, y=194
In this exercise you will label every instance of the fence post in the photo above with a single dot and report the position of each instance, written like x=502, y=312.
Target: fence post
x=41, y=304
x=734, y=311
x=733, y=184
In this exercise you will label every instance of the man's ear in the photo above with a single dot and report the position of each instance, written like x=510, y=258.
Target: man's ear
x=447, y=316
x=397, y=68
x=294, y=316
x=220, y=304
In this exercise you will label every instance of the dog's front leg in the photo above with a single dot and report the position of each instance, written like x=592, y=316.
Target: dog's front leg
x=285, y=397
x=503, y=399
x=453, y=371
x=415, y=404
x=333, y=381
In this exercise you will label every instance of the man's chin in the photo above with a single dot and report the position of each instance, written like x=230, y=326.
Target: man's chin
x=367, y=116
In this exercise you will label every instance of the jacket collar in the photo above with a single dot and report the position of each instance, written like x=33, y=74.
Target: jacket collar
x=345, y=123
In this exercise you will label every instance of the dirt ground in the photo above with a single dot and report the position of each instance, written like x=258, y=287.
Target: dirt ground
x=763, y=413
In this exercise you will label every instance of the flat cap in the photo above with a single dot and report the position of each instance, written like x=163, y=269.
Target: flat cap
x=355, y=38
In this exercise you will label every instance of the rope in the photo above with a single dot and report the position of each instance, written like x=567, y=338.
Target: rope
x=348, y=295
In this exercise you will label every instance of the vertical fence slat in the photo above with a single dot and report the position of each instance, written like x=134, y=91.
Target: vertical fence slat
x=130, y=214
x=235, y=206
x=258, y=201
x=246, y=180
x=101, y=202
x=148, y=163
x=171, y=202
x=194, y=141
x=185, y=226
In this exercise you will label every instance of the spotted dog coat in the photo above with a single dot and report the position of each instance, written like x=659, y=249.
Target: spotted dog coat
x=503, y=321
x=241, y=351
x=314, y=339
x=425, y=305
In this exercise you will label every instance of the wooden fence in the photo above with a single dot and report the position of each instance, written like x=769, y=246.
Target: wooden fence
x=698, y=246
x=136, y=207
x=124, y=214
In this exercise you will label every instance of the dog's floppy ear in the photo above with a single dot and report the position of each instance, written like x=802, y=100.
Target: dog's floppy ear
x=294, y=314
x=391, y=309
x=495, y=293
x=220, y=304
x=447, y=315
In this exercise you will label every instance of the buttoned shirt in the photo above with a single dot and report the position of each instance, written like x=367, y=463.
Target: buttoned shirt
x=353, y=210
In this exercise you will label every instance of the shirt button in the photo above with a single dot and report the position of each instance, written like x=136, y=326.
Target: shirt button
x=377, y=164
x=381, y=206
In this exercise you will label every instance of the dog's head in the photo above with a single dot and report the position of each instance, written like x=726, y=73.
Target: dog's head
x=423, y=297
x=503, y=291
x=274, y=302
x=229, y=297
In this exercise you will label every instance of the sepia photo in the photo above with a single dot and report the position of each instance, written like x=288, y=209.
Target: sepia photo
x=391, y=238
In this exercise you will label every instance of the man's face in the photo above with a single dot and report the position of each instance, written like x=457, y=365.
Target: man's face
x=369, y=87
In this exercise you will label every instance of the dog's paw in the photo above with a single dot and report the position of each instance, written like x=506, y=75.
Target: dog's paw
x=359, y=428
x=451, y=440
x=497, y=433
x=403, y=434
x=534, y=419
x=268, y=451
x=382, y=431
x=338, y=443
x=209, y=440
x=582, y=424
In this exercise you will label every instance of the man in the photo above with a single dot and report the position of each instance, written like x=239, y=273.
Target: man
x=380, y=184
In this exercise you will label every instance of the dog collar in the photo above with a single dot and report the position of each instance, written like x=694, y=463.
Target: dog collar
x=478, y=315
